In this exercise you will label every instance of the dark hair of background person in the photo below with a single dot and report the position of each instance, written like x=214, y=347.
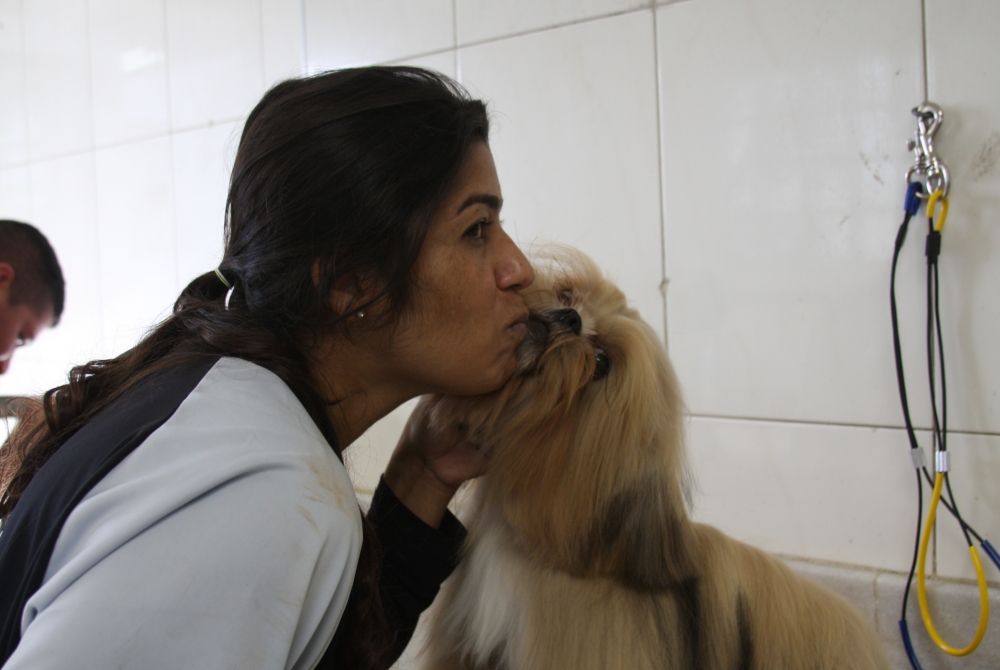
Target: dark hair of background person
x=38, y=278
x=342, y=171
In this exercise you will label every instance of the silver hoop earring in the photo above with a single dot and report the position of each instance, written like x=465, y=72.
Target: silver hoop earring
x=361, y=315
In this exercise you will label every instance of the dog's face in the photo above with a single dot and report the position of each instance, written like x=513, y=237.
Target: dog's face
x=585, y=441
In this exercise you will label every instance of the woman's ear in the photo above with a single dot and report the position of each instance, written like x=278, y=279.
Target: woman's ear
x=347, y=292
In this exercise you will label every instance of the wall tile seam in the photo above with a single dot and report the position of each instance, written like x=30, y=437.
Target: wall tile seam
x=834, y=424
x=993, y=586
x=27, y=115
x=456, y=62
x=664, y=282
x=263, y=50
x=92, y=99
x=118, y=145
x=94, y=146
x=423, y=54
x=172, y=165
x=547, y=28
x=523, y=33
x=876, y=573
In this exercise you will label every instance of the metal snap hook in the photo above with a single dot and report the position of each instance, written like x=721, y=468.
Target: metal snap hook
x=926, y=162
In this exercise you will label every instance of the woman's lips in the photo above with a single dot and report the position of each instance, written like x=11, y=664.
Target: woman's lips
x=519, y=327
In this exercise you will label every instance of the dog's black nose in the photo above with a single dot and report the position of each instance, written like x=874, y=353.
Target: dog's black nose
x=571, y=319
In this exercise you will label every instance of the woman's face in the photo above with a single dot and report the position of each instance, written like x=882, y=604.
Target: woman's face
x=467, y=318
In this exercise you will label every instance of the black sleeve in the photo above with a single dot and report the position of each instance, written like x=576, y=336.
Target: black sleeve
x=416, y=559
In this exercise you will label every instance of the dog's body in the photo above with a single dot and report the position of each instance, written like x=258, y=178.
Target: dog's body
x=580, y=551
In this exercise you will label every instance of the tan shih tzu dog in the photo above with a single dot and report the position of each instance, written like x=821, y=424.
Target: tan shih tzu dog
x=580, y=551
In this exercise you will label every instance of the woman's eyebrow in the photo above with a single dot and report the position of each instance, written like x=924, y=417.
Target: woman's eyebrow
x=487, y=199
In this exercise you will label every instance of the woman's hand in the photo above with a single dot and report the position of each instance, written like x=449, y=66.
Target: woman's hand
x=429, y=465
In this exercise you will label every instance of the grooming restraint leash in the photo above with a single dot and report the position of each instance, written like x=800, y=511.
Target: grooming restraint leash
x=928, y=166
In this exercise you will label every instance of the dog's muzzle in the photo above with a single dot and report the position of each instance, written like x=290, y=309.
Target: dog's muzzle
x=570, y=319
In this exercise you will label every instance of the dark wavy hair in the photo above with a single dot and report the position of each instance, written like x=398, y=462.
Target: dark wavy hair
x=340, y=172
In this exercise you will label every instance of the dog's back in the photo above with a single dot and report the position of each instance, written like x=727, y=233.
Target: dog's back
x=778, y=619
x=744, y=610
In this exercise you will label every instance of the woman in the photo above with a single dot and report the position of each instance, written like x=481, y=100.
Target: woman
x=184, y=505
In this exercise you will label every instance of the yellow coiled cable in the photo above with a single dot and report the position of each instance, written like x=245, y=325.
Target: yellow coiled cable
x=984, y=595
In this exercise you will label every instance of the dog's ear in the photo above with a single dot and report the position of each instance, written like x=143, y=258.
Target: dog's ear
x=644, y=537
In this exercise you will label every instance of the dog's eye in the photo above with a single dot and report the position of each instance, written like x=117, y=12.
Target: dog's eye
x=566, y=297
x=602, y=364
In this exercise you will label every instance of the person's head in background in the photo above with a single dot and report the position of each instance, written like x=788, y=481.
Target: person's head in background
x=32, y=289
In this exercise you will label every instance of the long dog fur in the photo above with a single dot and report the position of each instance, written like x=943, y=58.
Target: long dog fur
x=581, y=553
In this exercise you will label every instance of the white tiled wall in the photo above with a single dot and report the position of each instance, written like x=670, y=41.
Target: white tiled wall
x=361, y=32
x=128, y=70
x=117, y=127
x=735, y=164
x=56, y=47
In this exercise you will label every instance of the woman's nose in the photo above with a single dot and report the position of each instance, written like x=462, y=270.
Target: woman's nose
x=514, y=271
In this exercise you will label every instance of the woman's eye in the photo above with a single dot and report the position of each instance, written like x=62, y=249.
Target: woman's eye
x=476, y=230
x=602, y=364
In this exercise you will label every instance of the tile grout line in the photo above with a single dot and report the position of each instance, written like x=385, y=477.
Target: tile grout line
x=454, y=40
x=456, y=48
x=97, y=207
x=659, y=169
x=557, y=26
x=263, y=48
x=500, y=38
x=166, y=71
x=170, y=135
x=302, y=36
x=90, y=77
x=923, y=43
x=875, y=572
x=27, y=117
x=122, y=143
x=837, y=424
